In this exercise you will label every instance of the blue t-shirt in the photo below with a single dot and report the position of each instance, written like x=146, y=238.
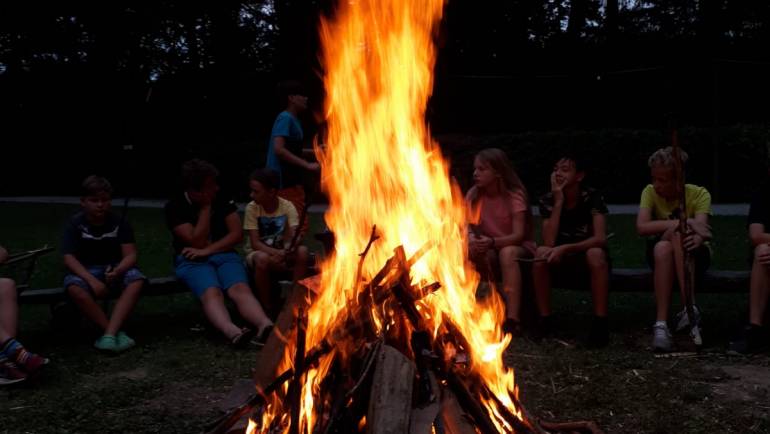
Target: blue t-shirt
x=288, y=126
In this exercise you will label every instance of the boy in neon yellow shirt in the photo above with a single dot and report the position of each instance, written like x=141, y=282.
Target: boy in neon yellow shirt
x=658, y=219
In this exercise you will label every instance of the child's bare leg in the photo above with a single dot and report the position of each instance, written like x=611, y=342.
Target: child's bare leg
x=679, y=258
x=300, y=265
x=600, y=279
x=214, y=307
x=511, y=279
x=248, y=306
x=261, y=267
x=760, y=279
x=542, y=283
x=663, y=277
x=124, y=306
x=9, y=310
x=88, y=306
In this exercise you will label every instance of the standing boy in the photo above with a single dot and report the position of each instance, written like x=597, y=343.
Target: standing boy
x=285, y=153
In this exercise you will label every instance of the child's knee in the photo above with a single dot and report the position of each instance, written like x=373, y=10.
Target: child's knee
x=261, y=261
x=78, y=293
x=664, y=251
x=302, y=253
x=212, y=295
x=7, y=290
x=508, y=255
x=596, y=257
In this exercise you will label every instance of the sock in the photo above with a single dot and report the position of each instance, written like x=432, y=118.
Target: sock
x=662, y=323
x=10, y=346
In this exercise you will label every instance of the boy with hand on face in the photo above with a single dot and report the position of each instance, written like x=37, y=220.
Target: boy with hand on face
x=206, y=228
x=574, y=245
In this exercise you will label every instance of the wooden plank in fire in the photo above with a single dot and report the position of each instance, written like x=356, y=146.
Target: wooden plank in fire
x=273, y=352
x=390, y=400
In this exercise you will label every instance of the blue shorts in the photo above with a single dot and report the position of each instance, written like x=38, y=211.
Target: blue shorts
x=131, y=275
x=221, y=270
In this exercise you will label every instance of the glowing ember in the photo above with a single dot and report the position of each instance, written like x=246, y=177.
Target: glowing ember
x=382, y=168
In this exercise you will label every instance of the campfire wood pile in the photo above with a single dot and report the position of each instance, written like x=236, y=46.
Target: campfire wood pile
x=398, y=380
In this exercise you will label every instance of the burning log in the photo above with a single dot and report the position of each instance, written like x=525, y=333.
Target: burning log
x=453, y=416
x=391, y=395
x=295, y=388
x=580, y=426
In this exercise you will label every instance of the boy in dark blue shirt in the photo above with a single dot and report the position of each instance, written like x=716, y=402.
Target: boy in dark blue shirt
x=100, y=254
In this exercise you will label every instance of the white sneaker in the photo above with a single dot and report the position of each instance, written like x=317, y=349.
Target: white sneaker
x=683, y=321
x=661, y=338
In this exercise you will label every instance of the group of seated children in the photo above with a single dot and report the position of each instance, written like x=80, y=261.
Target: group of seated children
x=100, y=252
x=574, y=243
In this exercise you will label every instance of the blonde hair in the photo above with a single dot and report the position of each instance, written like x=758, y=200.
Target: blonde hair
x=511, y=183
x=665, y=157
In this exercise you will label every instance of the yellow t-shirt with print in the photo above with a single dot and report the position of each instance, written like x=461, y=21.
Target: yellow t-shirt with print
x=271, y=227
x=698, y=202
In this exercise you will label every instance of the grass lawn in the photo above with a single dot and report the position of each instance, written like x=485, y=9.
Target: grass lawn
x=181, y=371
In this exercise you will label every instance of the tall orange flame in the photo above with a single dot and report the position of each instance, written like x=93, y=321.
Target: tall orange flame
x=382, y=168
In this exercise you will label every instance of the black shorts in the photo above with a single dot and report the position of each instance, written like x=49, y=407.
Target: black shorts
x=572, y=271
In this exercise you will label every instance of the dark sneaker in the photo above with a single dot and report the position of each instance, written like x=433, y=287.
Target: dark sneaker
x=10, y=373
x=752, y=340
x=261, y=339
x=543, y=329
x=512, y=327
x=28, y=361
x=243, y=338
x=599, y=336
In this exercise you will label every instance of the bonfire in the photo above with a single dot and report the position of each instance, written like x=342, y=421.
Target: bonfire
x=390, y=337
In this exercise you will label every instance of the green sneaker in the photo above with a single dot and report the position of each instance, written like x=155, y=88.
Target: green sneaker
x=124, y=342
x=107, y=343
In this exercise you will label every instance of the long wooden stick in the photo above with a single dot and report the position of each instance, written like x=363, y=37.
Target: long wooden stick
x=689, y=264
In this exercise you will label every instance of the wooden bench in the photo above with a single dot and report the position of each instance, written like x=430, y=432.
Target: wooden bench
x=715, y=281
x=621, y=280
x=156, y=286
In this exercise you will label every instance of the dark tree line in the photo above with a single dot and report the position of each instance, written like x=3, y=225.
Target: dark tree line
x=170, y=79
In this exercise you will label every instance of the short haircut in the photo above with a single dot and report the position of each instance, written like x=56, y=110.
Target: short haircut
x=576, y=159
x=95, y=185
x=195, y=172
x=269, y=178
x=287, y=88
x=665, y=157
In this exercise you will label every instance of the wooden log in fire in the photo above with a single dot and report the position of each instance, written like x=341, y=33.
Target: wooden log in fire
x=453, y=416
x=391, y=394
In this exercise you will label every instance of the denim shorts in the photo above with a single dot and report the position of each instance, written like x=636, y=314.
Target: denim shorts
x=131, y=275
x=220, y=270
